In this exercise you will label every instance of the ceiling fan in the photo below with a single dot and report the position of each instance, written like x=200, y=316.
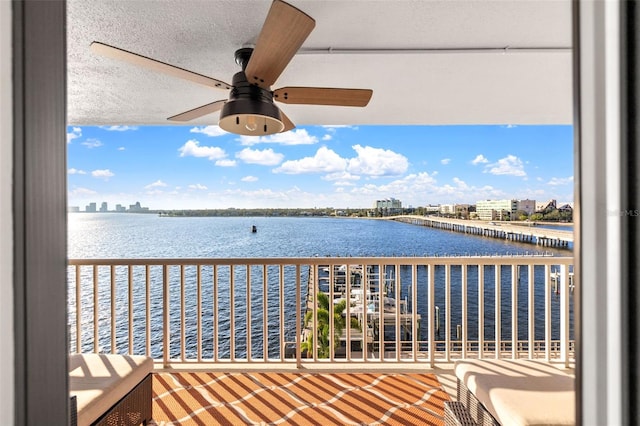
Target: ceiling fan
x=250, y=108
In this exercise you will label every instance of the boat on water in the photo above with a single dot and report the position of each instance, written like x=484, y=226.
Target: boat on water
x=254, y=229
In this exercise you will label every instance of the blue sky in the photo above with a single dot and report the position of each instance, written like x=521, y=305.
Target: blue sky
x=199, y=167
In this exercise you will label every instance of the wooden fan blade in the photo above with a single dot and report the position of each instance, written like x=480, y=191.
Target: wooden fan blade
x=323, y=96
x=135, y=59
x=199, y=112
x=288, y=124
x=282, y=34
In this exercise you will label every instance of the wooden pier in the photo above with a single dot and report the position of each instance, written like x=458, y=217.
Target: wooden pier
x=539, y=236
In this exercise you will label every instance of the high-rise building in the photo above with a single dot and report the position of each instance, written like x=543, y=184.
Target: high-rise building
x=389, y=206
x=496, y=209
x=103, y=207
x=527, y=206
x=91, y=208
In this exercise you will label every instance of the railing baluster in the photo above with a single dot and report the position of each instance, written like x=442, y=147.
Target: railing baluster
x=481, y=311
x=147, y=271
x=381, y=278
x=531, y=304
x=96, y=313
x=447, y=312
x=130, y=306
x=166, y=316
x=498, y=312
x=183, y=316
x=299, y=320
x=415, y=326
x=431, y=313
x=464, y=303
x=514, y=311
x=347, y=316
x=112, y=278
x=547, y=312
x=281, y=315
x=399, y=326
x=248, y=313
x=365, y=316
x=232, y=313
x=78, y=309
x=564, y=314
x=265, y=316
x=199, y=312
x=216, y=357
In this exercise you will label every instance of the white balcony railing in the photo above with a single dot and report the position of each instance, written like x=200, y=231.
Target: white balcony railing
x=434, y=309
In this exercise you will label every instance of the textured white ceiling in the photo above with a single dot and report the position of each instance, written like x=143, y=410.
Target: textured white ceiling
x=428, y=62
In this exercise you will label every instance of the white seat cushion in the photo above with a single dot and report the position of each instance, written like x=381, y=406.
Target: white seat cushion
x=521, y=392
x=99, y=381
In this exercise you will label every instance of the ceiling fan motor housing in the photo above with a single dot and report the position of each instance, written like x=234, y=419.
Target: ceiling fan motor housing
x=250, y=110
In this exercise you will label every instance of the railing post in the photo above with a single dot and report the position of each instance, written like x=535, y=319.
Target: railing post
x=564, y=314
x=481, y=311
x=96, y=311
x=78, y=310
x=299, y=320
x=498, y=311
x=166, y=317
x=183, y=316
x=112, y=298
x=431, y=313
x=415, y=329
x=515, y=276
x=464, y=303
x=447, y=312
x=531, y=304
x=547, y=312
x=130, y=307
x=249, y=355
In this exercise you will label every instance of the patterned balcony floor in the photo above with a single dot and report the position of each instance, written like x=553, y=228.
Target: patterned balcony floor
x=212, y=398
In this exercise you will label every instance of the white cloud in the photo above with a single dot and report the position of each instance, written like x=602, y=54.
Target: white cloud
x=122, y=148
x=479, y=159
x=192, y=148
x=377, y=162
x=226, y=163
x=73, y=171
x=249, y=179
x=75, y=133
x=324, y=161
x=341, y=178
x=197, y=186
x=156, y=184
x=460, y=183
x=509, y=165
x=212, y=131
x=81, y=192
x=92, y=143
x=327, y=137
x=119, y=128
x=445, y=161
x=265, y=157
x=560, y=181
x=293, y=137
x=339, y=126
x=102, y=174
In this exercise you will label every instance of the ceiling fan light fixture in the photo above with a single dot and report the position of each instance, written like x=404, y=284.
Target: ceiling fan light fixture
x=250, y=117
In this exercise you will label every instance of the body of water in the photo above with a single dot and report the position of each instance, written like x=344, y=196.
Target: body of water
x=127, y=235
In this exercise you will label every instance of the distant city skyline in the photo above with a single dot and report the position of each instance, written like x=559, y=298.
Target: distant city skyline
x=202, y=167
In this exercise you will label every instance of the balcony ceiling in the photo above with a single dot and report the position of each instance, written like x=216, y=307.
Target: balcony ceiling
x=428, y=62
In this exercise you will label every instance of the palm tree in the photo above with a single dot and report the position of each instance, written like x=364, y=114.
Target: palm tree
x=339, y=324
